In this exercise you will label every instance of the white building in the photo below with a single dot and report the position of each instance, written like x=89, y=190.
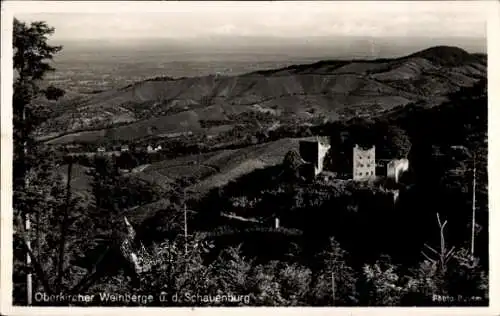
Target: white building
x=152, y=149
x=364, y=165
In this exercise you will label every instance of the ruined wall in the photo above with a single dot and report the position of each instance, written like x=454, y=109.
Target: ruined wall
x=396, y=167
x=363, y=163
x=322, y=151
x=314, y=151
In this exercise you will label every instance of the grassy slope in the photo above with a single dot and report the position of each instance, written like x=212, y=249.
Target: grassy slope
x=218, y=168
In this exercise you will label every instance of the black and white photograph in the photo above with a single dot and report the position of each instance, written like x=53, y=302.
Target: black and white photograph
x=247, y=154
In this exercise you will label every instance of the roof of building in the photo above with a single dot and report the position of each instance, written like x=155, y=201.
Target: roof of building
x=364, y=147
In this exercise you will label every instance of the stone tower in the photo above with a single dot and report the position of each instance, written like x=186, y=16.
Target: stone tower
x=363, y=163
x=314, y=151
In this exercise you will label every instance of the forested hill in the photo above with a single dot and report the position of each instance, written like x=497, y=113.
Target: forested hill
x=325, y=89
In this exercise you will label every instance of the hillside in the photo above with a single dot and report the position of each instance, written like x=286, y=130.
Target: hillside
x=213, y=169
x=219, y=167
x=332, y=89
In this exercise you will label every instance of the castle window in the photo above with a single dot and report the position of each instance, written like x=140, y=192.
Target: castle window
x=367, y=173
x=361, y=173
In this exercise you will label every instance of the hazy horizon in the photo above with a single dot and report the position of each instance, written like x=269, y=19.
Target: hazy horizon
x=135, y=40
x=262, y=48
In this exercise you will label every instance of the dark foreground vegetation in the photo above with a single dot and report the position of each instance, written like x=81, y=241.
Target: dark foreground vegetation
x=338, y=242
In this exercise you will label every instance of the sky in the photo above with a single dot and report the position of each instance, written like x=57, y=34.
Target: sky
x=195, y=20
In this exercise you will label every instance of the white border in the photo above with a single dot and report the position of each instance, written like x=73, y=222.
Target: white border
x=6, y=308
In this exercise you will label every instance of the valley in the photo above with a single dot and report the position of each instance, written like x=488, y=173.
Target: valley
x=326, y=90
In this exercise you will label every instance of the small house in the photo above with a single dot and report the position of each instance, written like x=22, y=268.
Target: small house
x=153, y=149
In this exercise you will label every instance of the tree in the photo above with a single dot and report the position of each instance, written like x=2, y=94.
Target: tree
x=448, y=272
x=463, y=278
x=362, y=131
x=280, y=284
x=334, y=283
x=292, y=160
x=231, y=272
x=113, y=196
x=39, y=193
x=291, y=164
x=399, y=144
x=177, y=273
x=380, y=284
x=127, y=161
x=58, y=240
x=466, y=277
x=32, y=55
x=106, y=211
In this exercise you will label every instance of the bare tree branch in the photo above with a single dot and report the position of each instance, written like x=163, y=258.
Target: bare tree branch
x=431, y=249
x=427, y=257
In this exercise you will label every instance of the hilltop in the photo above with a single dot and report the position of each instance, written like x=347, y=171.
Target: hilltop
x=328, y=90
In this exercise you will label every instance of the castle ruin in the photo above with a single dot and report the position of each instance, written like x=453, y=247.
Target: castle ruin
x=396, y=167
x=363, y=163
x=314, y=152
